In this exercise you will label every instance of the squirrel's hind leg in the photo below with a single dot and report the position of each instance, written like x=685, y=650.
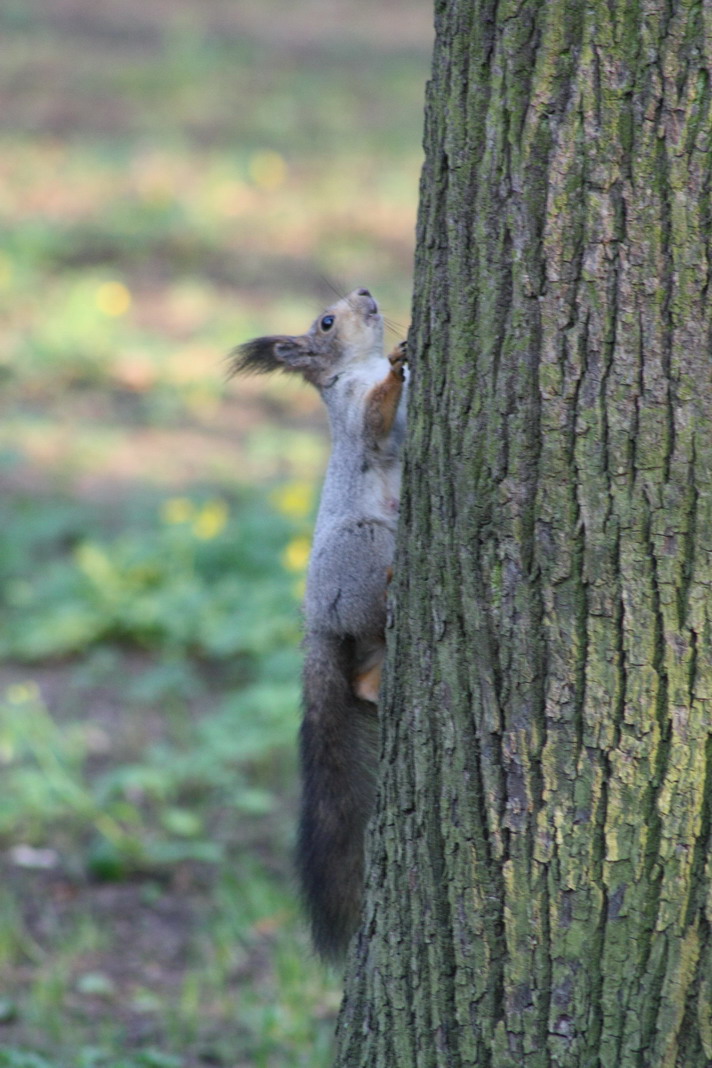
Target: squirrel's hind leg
x=367, y=679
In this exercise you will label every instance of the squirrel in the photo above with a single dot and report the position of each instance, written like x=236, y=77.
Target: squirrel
x=342, y=355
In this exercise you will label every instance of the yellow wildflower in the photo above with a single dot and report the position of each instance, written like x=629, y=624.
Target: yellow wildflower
x=113, y=298
x=177, y=510
x=268, y=169
x=211, y=520
x=19, y=693
x=296, y=555
x=295, y=499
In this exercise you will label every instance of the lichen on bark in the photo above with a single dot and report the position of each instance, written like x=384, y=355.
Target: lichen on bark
x=540, y=861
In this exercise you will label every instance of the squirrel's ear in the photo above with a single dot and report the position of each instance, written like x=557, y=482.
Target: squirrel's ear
x=265, y=354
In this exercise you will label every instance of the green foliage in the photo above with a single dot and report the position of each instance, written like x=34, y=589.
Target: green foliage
x=149, y=617
x=201, y=580
x=196, y=581
x=196, y=587
x=90, y=1057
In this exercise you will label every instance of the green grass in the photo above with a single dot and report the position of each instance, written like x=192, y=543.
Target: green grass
x=173, y=180
x=180, y=790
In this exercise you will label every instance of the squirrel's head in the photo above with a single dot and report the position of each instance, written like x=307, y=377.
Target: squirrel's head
x=345, y=333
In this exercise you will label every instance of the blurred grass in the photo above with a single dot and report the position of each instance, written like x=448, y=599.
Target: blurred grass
x=174, y=178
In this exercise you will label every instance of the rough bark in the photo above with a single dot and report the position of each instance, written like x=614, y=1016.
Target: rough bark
x=541, y=866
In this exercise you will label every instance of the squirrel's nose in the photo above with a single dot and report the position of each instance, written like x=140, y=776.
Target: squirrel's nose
x=363, y=293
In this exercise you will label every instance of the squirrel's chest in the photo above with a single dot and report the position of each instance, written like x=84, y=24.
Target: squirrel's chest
x=364, y=475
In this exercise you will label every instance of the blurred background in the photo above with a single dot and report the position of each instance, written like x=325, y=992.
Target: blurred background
x=175, y=177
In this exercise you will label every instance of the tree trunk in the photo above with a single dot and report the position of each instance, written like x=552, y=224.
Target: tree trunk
x=541, y=863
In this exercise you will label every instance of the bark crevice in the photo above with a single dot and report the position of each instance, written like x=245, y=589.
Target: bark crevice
x=542, y=850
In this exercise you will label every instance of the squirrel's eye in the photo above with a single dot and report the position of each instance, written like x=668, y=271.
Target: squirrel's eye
x=327, y=322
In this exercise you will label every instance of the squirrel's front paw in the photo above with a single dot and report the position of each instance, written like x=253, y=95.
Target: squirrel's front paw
x=398, y=358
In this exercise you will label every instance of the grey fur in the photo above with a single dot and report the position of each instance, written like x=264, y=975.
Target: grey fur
x=345, y=603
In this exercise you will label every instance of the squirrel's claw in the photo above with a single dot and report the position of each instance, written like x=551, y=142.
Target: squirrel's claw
x=398, y=358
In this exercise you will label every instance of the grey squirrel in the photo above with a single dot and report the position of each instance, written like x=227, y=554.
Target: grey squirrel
x=364, y=391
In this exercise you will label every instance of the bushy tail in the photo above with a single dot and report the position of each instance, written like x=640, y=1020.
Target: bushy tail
x=338, y=763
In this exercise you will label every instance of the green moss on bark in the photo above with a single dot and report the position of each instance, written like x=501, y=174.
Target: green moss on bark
x=541, y=856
